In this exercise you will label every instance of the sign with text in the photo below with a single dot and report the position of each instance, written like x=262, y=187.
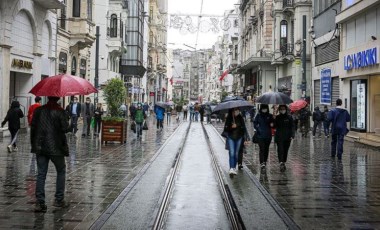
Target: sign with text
x=361, y=96
x=362, y=59
x=326, y=87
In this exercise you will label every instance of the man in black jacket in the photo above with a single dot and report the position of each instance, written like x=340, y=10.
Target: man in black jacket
x=74, y=111
x=48, y=140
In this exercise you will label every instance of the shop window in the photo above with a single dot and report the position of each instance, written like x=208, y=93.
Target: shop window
x=113, y=29
x=359, y=105
x=76, y=8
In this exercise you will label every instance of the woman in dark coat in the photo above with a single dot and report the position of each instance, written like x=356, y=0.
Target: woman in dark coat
x=263, y=124
x=98, y=118
x=284, y=134
x=13, y=118
x=236, y=132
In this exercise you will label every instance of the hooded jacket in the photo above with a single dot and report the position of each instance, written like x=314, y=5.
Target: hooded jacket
x=13, y=116
x=262, y=124
x=339, y=118
x=47, y=132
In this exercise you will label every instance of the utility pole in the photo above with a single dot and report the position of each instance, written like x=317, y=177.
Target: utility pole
x=303, y=56
x=97, y=35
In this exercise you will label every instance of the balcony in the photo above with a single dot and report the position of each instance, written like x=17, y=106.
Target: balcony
x=287, y=49
x=82, y=32
x=287, y=5
x=51, y=4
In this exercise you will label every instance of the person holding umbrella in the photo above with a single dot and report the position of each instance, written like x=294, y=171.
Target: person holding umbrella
x=236, y=133
x=284, y=134
x=263, y=124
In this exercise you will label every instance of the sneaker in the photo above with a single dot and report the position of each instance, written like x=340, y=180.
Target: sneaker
x=232, y=171
x=15, y=149
x=240, y=166
x=60, y=204
x=9, y=148
x=40, y=207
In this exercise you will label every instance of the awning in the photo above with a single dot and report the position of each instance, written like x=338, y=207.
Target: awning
x=223, y=75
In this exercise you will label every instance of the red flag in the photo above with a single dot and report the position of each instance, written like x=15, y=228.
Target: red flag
x=223, y=75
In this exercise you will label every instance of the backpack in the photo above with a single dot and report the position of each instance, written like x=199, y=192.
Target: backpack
x=139, y=116
x=303, y=115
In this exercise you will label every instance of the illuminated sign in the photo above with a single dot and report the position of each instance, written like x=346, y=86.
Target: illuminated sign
x=22, y=64
x=361, y=59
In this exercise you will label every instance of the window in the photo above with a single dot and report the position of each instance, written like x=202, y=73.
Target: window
x=113, y=29
x=89, y=10
x=283, y=36
x=121, y=29
x=63, y=18
x=76, y=8
x=359, y=105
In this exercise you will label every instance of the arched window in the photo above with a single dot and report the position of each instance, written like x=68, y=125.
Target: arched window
x=113, y=29
x=76, y=8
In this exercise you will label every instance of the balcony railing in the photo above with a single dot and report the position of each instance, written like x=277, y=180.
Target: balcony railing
x=287, y=49
x=288, y=3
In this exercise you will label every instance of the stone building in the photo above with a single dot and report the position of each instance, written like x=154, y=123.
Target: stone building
x=27, y=49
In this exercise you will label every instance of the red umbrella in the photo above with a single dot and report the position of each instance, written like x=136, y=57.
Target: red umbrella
x=297, y=105
x=63, y=85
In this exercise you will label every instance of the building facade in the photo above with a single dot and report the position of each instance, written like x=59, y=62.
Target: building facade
x=27, y=48
x=359, y=61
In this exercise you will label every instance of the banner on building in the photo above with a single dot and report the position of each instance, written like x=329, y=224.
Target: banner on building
x=326, y=87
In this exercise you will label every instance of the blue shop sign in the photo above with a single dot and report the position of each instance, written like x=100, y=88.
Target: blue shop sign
x=326, y=87
x=361, y=59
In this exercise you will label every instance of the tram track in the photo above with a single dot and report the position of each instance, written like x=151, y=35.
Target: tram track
x=230, y=206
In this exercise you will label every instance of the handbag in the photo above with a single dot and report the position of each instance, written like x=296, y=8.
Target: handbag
x=255, y=138
x=133, y=127
x=145, y=126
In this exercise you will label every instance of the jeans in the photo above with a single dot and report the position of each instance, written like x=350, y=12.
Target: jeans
x=98, y=124
x=14, y=133
x=42, y=168
x=159, y=123
x=208, y=118
x=264, y=144
x=337, y=144
x=326, y=126
x=139, y=128
x=282, y=150
x=168, y=117
x=185, y=115
x=317, y=124
x=234, y=146
x=196, y=114
x=74, y=123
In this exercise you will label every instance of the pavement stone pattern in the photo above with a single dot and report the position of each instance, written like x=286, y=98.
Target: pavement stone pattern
x=320, y=192
x=95, y=177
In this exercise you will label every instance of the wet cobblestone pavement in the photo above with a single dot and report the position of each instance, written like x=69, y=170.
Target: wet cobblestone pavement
x=95, y=177
x=320, y=192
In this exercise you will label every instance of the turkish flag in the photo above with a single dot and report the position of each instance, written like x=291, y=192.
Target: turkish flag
x=223, y=75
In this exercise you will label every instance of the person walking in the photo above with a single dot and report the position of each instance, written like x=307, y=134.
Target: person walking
x=87, y=114
x=159, y=111
x=191, y=108
x=208, y=113
x=132, y=111
x=338, y=118
x=98, y=118
x=326, y=123
x=168, y=114
x=124, y=110
x=13, y=118
x=139, y=120
x=146, y=109
x=185, y=108
x=33, y=107
x=236, y=132
x=48, y=141
x=73, y=110
x=284, y=125
x=196, y=111
x=304, y=117
x=202, y=112
x=263, y=124
x=317, y=119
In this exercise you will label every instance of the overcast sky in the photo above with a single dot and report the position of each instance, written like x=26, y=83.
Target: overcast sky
x=205, y=40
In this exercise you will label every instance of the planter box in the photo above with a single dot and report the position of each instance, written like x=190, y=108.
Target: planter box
x=114, y=131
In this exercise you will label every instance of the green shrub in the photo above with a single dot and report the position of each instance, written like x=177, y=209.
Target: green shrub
x=114, y=94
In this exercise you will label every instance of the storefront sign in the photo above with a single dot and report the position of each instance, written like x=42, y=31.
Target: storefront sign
x=361, y=106
x=361, y=59
x=22, y=64
x=326, y=87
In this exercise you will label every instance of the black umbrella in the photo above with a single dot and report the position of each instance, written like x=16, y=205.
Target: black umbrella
x=274, y=98
x=224, y=106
